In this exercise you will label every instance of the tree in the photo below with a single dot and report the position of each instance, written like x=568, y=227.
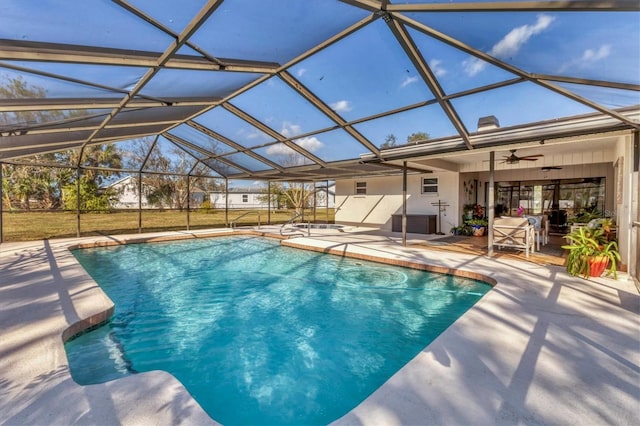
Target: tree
x=168, y=187
x=417, y=137
x=107, y=156
x=389, y=141
x=295, y=195
x=16, y=122
x=26, y=185
x=93, y=196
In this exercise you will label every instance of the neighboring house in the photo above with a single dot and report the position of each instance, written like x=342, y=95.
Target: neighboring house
x=321, y=197
x=126, y=195
x=254, y=199
x=197, y=197
x=240, y=199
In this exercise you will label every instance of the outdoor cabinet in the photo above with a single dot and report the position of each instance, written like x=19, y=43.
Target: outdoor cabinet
x=416, y=223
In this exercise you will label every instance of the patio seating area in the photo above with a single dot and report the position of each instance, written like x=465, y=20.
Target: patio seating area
x=549, y=254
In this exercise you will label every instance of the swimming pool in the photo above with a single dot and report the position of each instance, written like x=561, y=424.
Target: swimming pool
x=259, y=333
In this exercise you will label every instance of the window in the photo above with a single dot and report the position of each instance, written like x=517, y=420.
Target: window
x=361, y=188
x=429, y=185
x=245, y=198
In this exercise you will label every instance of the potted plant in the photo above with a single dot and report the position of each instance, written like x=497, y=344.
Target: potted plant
x=590, y=253
x=467, y=211
x=478, y=211
x=478, y=226
x=463, y=230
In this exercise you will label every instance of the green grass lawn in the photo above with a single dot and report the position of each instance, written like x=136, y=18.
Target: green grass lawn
x=25, y=226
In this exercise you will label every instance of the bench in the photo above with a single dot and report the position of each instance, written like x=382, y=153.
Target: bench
x=514, y=232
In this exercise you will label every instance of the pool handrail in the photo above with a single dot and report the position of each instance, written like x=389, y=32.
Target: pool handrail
x=290, y=221
x=233, y=222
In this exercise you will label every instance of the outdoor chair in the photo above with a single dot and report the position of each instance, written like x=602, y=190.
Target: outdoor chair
x=514, y=232
x=540, y=230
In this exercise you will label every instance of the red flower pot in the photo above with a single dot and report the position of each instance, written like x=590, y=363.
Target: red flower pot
x=597, y=265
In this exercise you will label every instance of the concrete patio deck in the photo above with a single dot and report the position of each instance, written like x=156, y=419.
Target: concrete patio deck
x=540, y=348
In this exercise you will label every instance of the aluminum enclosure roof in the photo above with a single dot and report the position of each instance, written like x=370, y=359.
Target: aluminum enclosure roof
x=310, y=90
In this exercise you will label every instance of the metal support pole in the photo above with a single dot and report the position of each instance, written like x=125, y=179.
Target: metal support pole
x=327, y=201
x=140, y=202
x=633, y=194
x=78, y=199
x=315, y=199
x=142, y=166
x=491, y=202
x=269, y=202
x=302, y=201
x=226, y=202
x=1, y=202
x=404, y=203
x=188, y=201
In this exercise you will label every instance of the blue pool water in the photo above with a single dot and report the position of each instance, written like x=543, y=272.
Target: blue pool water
x=259, y=333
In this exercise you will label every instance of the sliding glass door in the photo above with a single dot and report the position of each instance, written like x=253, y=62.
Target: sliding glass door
x=560, y=199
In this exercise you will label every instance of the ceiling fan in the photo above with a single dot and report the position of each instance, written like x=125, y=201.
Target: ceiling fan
x=514, y=159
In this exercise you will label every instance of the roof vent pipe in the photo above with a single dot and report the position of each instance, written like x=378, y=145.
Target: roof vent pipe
x=488, y=123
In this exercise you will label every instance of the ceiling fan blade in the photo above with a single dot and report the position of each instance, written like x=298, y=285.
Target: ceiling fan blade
x=527, y=159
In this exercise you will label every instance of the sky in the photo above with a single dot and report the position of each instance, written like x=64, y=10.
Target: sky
x=365, y=74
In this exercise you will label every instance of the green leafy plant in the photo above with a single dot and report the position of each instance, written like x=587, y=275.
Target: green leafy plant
x=463, y=229
x=585, y=216
x=477, y=222
x=586, y=245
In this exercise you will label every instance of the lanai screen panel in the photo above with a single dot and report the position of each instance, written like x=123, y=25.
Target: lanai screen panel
x=278, y=89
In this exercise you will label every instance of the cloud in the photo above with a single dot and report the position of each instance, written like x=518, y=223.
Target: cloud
x=280, y=149
x=473, y=66
x=436, y=67
x=311, y=143
x=409, y=80
x=510, y=44
x=589, y=56
x=290, y=129
x=301, y=72
x=341, y=106
x=251, y=134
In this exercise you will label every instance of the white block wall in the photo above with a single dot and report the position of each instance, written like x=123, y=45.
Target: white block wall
x=384, y=198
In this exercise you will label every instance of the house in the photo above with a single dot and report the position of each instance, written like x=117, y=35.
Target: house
x=560, y=177
x=247, y=198
x=125, y=192
x=240, y=198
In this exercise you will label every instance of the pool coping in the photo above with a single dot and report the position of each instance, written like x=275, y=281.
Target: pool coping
x=440, y=385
